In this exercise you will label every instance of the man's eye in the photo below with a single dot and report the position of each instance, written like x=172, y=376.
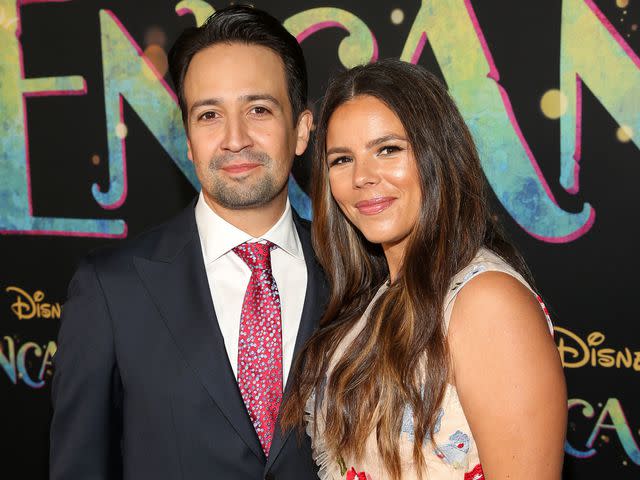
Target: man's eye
x=260, y=110
x=208, y=116
x=339, y=161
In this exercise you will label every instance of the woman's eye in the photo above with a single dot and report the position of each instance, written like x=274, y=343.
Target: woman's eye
x=388, y=150
x=339, y=161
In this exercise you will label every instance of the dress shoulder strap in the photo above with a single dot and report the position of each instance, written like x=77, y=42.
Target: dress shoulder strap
x=485, y=261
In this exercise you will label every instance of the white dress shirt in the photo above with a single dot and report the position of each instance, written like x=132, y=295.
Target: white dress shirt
x=229, y=276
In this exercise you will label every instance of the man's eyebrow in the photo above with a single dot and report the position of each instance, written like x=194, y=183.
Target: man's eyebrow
x=261, y=96
x=383, y=139
x=205, y=102
x=214, y=102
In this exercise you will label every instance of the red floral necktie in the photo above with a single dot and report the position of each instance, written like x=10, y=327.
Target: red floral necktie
x=260, y=342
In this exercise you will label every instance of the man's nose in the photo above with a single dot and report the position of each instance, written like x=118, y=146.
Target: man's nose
x=236, y=135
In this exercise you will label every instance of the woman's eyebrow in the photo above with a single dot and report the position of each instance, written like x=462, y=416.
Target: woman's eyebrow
x=385, y=138
x=338, y=150
x=370, y=144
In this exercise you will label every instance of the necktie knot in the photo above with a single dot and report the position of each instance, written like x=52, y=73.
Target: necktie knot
x=255, y=255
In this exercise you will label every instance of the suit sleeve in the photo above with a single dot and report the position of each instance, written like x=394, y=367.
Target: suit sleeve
x=86, y=389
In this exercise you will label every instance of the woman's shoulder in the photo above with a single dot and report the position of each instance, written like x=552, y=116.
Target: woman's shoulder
x=489, y=283
x=485, y=261
x=492, y=267
x=496, y=291
x=490, y=299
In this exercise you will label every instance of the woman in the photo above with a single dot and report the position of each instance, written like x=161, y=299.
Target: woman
x=434, y=359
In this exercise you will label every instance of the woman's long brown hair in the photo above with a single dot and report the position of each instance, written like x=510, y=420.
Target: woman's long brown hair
x=401, y=357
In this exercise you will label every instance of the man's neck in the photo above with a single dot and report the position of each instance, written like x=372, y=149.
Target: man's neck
x=254, y=221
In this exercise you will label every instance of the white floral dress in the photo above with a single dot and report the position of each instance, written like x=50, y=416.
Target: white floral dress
x=453, y=454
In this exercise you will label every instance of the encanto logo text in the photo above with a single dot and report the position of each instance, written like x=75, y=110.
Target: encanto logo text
x=592, y=54
x=609, y=419
x=29, y=362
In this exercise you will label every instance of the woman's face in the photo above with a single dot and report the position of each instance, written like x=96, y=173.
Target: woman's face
x=372, y=170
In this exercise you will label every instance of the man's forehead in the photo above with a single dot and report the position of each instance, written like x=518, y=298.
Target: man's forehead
x=232, y=72
x=246, y=61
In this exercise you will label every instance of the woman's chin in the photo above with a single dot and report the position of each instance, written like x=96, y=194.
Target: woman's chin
x=381, y=238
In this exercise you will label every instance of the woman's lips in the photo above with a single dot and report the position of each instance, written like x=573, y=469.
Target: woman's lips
x=375, y=205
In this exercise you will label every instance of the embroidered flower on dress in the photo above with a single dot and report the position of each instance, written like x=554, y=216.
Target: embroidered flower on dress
x=546, y=313
x=455, y=451
x=408, y=427
x=354, y=475
x=475, y=474
x=474, y=271
x=342, y=465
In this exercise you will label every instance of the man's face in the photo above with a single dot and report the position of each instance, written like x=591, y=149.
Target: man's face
x=241, y=136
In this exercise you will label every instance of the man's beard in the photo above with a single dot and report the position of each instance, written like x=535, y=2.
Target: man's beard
x=242, y=193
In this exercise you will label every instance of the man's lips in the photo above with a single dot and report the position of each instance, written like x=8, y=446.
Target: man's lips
x=237, y=168
x=374, y=205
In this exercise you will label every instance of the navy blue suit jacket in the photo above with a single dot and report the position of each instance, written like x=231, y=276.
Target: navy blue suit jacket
x=142, y=385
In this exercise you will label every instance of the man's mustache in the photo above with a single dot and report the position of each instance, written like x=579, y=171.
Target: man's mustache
x=249, y=156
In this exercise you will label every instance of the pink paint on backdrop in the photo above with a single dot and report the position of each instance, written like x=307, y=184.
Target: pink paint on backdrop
x=83, y=91
x=495, y=75
x=634, y=58
x=571, y=237
x=28, y=2
x=374, y=56
x=135, y=45
x=58, y=93
x=418, y=51
x=302, y=36
x=66, y=233
x=125, y=184
x=162, y=81
x=614, y=33
x=577, y=154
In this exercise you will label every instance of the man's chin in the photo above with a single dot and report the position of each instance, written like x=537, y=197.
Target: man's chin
x=248, y=199
x=245, y=194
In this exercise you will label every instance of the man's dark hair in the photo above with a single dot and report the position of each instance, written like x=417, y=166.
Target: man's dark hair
x=247, y=25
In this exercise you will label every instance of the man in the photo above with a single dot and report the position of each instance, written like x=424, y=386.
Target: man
x=174, y=349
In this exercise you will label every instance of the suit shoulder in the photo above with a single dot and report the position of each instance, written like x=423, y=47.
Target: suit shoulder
x=162, y=241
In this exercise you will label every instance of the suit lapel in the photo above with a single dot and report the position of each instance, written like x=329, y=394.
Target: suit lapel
x=314, y=300
x=176, y=280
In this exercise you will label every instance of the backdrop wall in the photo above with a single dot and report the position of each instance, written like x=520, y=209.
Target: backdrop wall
x=92, y=151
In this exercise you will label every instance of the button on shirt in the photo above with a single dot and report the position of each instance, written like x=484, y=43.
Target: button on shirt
x=229, y=275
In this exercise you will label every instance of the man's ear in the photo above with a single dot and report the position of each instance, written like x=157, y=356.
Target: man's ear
x=303, y=131
x=189, y=152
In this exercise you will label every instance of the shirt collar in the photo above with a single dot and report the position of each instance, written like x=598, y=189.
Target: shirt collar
x=217, y=236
